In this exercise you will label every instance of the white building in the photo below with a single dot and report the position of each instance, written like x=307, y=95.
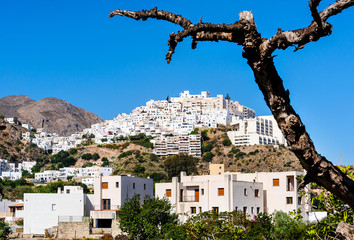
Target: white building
x=260, y=130
x=45, y=210
x=84, y=172
x=195, y=194
x=47, y=176
x=171, y=145
x=11, y=175
x=111, y=192
x=280, y=191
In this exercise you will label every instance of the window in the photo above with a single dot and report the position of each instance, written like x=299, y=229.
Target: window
x=202, y=191
x=67, y=191
x=256, y=192
x=244, y=210
x=54, y=207
x=117, y=184
x=236, y=208
x=251, y=209
x=105, y=185
x=133, y=185
x=245, y=191
x=215, y=209
x=289, y=200
x=168, y=192
x=299, y=200
x=144, y=186
x=258, y=209
x=106, y=204
x=193, y=210
x=200, y=209
x=276, y=182
x=220, y=191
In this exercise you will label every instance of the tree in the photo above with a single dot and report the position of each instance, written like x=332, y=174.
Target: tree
x=178, y=163
x=258, y=52
x=4, y=230
x=147, y=220
x=226, y=142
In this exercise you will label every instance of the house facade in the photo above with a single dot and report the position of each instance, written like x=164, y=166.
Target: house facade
x=195, y=194
x=111, y=192
x=45, y=210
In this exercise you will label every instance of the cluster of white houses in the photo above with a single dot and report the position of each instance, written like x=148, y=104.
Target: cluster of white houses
x=251, y=193
x=177, y=116
x=84, y=175
x=13, y=171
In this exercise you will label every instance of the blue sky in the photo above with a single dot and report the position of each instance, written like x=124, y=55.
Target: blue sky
x=73, y=51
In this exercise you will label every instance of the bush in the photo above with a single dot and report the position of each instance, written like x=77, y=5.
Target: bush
x=207, y=147
x=204, y=135
x=4, y=230
x=72, y=151
x=95, y=156
x=125, y=154
x=149, y=220
x=87, y=156
x=139, y=170
x=178, y=163
x=226, y=142
x=208, y=156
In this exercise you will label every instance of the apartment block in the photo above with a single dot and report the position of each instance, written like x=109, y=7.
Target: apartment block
x=195, y=194
x=183, y=144
x=261, y=130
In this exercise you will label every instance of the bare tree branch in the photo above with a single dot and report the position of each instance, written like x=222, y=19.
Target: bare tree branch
x=316, y=16
x=154, y=13
x=258, y=51
x=317, y=29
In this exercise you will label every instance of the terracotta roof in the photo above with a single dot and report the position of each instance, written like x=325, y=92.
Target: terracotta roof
x=17, y=205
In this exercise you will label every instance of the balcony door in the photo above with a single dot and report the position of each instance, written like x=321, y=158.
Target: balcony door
x=196, y=195
x=106, y=204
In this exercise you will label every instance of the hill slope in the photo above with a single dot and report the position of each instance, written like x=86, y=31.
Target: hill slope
x=52, y=114
x=13, y=148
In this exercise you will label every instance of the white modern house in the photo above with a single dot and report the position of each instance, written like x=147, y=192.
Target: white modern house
x=45, y=210
x=195, y=194
x=280, y=191
x=111, y=192
x=261, y=130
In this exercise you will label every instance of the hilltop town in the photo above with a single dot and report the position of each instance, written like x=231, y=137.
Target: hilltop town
x=201, y=153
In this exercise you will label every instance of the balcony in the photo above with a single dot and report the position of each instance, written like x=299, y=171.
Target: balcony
x=106, y=207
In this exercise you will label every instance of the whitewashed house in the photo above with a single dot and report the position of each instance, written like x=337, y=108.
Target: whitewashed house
x=195, y=194
x=45, y=210
x=111, y=192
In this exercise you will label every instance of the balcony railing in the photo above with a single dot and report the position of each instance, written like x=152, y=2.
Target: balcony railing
x=104, y=208
x=188, y=199
x=70, y=218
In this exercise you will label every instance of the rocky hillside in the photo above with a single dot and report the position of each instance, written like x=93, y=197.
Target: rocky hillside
x=52, y=114
x=133, y=158
x=13, y=148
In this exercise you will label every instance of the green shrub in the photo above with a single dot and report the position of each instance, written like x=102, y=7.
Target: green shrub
x=208, y=156
x=87, y=156
x=226, y=142
x=125, y=154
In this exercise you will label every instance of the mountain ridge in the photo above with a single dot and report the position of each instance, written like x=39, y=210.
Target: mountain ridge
x=52, y=114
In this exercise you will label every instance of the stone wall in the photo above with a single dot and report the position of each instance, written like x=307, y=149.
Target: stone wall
x=73, y=230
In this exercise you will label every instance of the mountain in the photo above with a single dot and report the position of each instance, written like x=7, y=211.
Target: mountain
x=52, y=114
